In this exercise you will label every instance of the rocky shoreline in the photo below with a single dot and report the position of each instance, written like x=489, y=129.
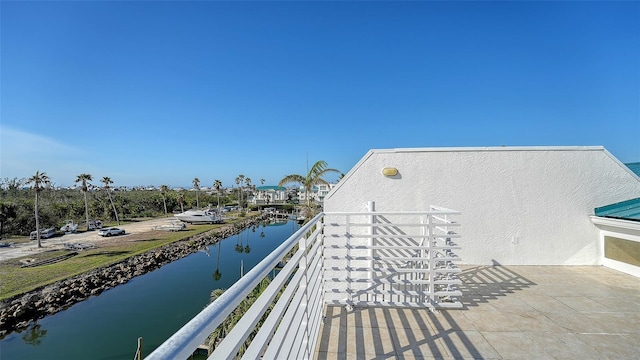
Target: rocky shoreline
x=19, y=312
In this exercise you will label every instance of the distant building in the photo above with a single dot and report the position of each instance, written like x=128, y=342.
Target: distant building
x=317, y=193
x=269, y=195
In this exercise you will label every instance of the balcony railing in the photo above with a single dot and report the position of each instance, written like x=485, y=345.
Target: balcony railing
x=391, y=258
x=354, y=259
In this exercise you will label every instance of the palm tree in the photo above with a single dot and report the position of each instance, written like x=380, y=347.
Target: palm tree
x=262, y=191
x=181, y=201
x=107, y=181
x=196, y=185
x=248, y=182
x=217, y=184
x=313, y=178
x=241, y=177
x=39, y=180
x=238, y=183
x=163, y=191
x=84, y=180
x=223, y=329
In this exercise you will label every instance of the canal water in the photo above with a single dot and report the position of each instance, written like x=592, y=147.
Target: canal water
x=152, y=306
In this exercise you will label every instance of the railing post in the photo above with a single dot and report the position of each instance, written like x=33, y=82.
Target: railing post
x=423, y=254
x=281, y=336
x=432, y=260
x=348, y=267
x=139, y=351
x=371, y=207
x=304, y=266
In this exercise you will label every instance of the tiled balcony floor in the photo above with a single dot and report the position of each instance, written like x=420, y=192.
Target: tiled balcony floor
x=510, y=312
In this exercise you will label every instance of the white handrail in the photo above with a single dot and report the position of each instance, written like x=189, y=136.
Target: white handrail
x=412, y=263
x=183, y=343
x=407, y=278
x=441, y=211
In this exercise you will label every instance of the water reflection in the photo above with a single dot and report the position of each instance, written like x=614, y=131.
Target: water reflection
x=217, y=275
x=152, y=306
x=34, y=334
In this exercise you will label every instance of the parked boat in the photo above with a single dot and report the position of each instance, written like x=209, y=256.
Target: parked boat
x=199, y=216
x=174, y=226
x=69, y=227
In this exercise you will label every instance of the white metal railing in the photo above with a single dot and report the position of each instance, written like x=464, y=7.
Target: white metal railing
x=392, y=258
x=348, y=258
x=290, y=330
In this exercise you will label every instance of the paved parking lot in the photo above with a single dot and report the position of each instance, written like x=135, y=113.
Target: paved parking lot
x=57, y=242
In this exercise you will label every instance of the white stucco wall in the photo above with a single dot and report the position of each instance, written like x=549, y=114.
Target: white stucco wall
x=520, y=205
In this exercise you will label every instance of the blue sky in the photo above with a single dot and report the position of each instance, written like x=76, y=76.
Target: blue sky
x=152, y=93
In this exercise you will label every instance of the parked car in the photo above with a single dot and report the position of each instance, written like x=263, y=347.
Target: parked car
x=110, y=231
x=44, y=233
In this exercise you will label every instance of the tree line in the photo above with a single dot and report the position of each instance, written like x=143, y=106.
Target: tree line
x=33, y=203
x=20, y=197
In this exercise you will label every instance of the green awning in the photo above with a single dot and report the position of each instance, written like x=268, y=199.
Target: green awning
x=627, y=210
x=635, y=167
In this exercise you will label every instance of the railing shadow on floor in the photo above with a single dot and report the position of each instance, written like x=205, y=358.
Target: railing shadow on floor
x=489, y=282
x=389, y=333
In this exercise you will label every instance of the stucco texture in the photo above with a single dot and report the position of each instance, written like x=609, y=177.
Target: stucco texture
x=520, y=206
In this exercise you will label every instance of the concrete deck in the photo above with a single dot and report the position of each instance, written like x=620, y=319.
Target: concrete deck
x=510, y=312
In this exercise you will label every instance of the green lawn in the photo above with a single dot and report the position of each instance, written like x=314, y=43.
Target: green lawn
x=17, y=280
